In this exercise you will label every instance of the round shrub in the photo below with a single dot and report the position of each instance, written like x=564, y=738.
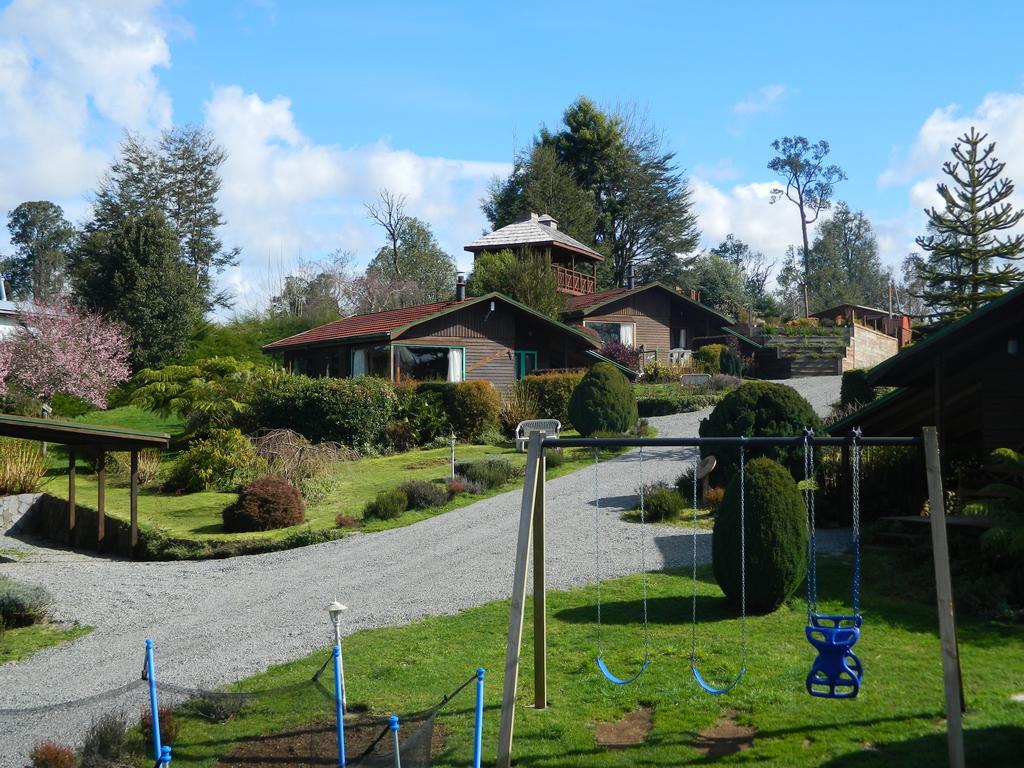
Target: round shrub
x=855, y=389
x=661, y=502
x=603, y=401
x=708, y=358
x=263, y=505
x=217, y=462
x=387, y=506
x=421, y=494
x=762, y=409
x=776, y=537
x=21, y=604
x=474, y=409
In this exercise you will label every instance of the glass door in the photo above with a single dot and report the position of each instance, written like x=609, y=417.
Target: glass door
x=526, y=363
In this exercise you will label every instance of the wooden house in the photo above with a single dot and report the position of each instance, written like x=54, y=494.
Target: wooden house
x=890, y=323
x=489, y=337
x=663, y=322
x=967, y=379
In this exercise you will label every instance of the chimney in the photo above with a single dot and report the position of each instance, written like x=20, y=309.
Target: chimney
x=526, y=216
x=548, y=221
x=630, y=278
x=460, y=287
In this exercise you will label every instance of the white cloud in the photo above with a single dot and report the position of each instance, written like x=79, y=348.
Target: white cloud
x=919, y=169
x=767, y=98
x=66, y=69
x=287, y=197
x=745, y=211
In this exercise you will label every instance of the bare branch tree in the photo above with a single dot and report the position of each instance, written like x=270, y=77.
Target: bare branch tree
x=389, y=212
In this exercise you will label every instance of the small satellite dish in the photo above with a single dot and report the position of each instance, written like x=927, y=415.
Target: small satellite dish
x=706, y=467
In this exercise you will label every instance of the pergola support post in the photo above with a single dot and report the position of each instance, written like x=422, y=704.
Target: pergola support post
x=101, y=500
x=134, y=539
x=72, y=461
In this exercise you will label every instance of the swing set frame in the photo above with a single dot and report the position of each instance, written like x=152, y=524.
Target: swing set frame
x=531, y=535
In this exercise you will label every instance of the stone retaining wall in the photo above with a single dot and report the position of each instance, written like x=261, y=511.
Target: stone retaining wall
x=14, y=508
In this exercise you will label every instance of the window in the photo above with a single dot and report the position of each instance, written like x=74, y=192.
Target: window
x=429, y=363
x=372, y=361
x=526, y=363
x=680, y=339
x=620, y=332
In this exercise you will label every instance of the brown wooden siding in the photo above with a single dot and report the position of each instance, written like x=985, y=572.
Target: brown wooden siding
x=658, y=319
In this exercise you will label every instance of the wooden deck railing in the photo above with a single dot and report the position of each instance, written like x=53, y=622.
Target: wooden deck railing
x=573, y=282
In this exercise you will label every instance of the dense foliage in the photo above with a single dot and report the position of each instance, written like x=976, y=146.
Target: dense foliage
x=352, y=412
x=855, y=389
x=387, y=505
x=551, y=391
x=486, y=473
x=603, y=401
x=717, y=358
x=763, y=409
x=219, y=461
x=21, y=604
x=661, y=502
x=263, y=505
x=474, y=408
x=524, y=276
x=22, y=466
x=42, y=239
x=422, y=494
x=776, y=537
x=418, y=271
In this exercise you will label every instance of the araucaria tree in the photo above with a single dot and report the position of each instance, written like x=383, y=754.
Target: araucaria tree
x=58, y=348
x=809, y=185
x=969, y=247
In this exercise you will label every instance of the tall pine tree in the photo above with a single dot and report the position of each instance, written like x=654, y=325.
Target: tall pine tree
x=969, y=248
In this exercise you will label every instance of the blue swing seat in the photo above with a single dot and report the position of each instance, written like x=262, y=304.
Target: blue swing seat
x=712, y=689
x=836, y=672
x=620, y=680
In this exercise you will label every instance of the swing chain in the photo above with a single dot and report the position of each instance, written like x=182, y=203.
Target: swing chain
x=693, y=538
x=812, y=554
x=597, y=545
x=743, y=558
x=643, y=555
x=855, y=470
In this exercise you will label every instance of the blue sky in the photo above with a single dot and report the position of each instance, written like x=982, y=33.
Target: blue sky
x=320, y=104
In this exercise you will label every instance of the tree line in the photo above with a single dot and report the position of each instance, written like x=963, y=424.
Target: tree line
x=148, y=255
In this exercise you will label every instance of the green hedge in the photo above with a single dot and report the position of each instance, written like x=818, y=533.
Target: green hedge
x=775, y=538
x=352, y=412
x=668, y=402
x=603, y=402
x=762, y=409
x=552, y=391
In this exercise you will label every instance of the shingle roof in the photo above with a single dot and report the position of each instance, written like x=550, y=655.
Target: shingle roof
x=531, y=232
x=582, y=305
x=363, y=325
x=577, y=303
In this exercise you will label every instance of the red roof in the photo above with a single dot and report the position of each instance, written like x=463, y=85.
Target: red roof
x=363, y=325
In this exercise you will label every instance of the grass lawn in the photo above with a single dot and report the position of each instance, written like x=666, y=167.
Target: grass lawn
x=22, y=642
x=197, y=516
x=705, y=519
x=896, y=721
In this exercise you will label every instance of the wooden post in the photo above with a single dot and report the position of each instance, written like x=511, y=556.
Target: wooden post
x=101, y=500
x=944, y=596
x=540, y=622
x=72, y=459
x=515, y=621
x=134, y=502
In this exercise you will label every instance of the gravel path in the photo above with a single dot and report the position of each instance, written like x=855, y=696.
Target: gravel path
x=220, y=620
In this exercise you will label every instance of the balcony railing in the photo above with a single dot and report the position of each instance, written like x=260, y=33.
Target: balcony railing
x=572, y=282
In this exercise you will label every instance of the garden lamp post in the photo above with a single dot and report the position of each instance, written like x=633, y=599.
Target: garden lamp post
x=335, y=609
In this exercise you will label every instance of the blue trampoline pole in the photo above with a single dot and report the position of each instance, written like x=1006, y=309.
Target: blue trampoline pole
x=393, y=725
x=478, y=736
x=339, y=711
x=165, y=756
x=154, y=709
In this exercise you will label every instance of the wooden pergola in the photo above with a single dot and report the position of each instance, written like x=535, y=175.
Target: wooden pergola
x=89, y=440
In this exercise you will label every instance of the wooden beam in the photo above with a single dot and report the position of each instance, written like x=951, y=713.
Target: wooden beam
x=515, y=621
x=134, y=503
x=101, y=500
x=72, y=459
x=540, y=623
x=937, y=393
x=951, y=680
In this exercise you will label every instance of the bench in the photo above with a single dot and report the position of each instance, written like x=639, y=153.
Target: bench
x=551, y=427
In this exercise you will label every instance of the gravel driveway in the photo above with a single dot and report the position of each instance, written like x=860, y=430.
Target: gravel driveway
x=220, y=620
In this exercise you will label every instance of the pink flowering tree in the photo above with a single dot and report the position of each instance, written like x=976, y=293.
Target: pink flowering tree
x=58, y=348
x=6, y=358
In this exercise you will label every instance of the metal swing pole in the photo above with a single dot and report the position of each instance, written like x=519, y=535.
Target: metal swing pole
x=951, y=680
